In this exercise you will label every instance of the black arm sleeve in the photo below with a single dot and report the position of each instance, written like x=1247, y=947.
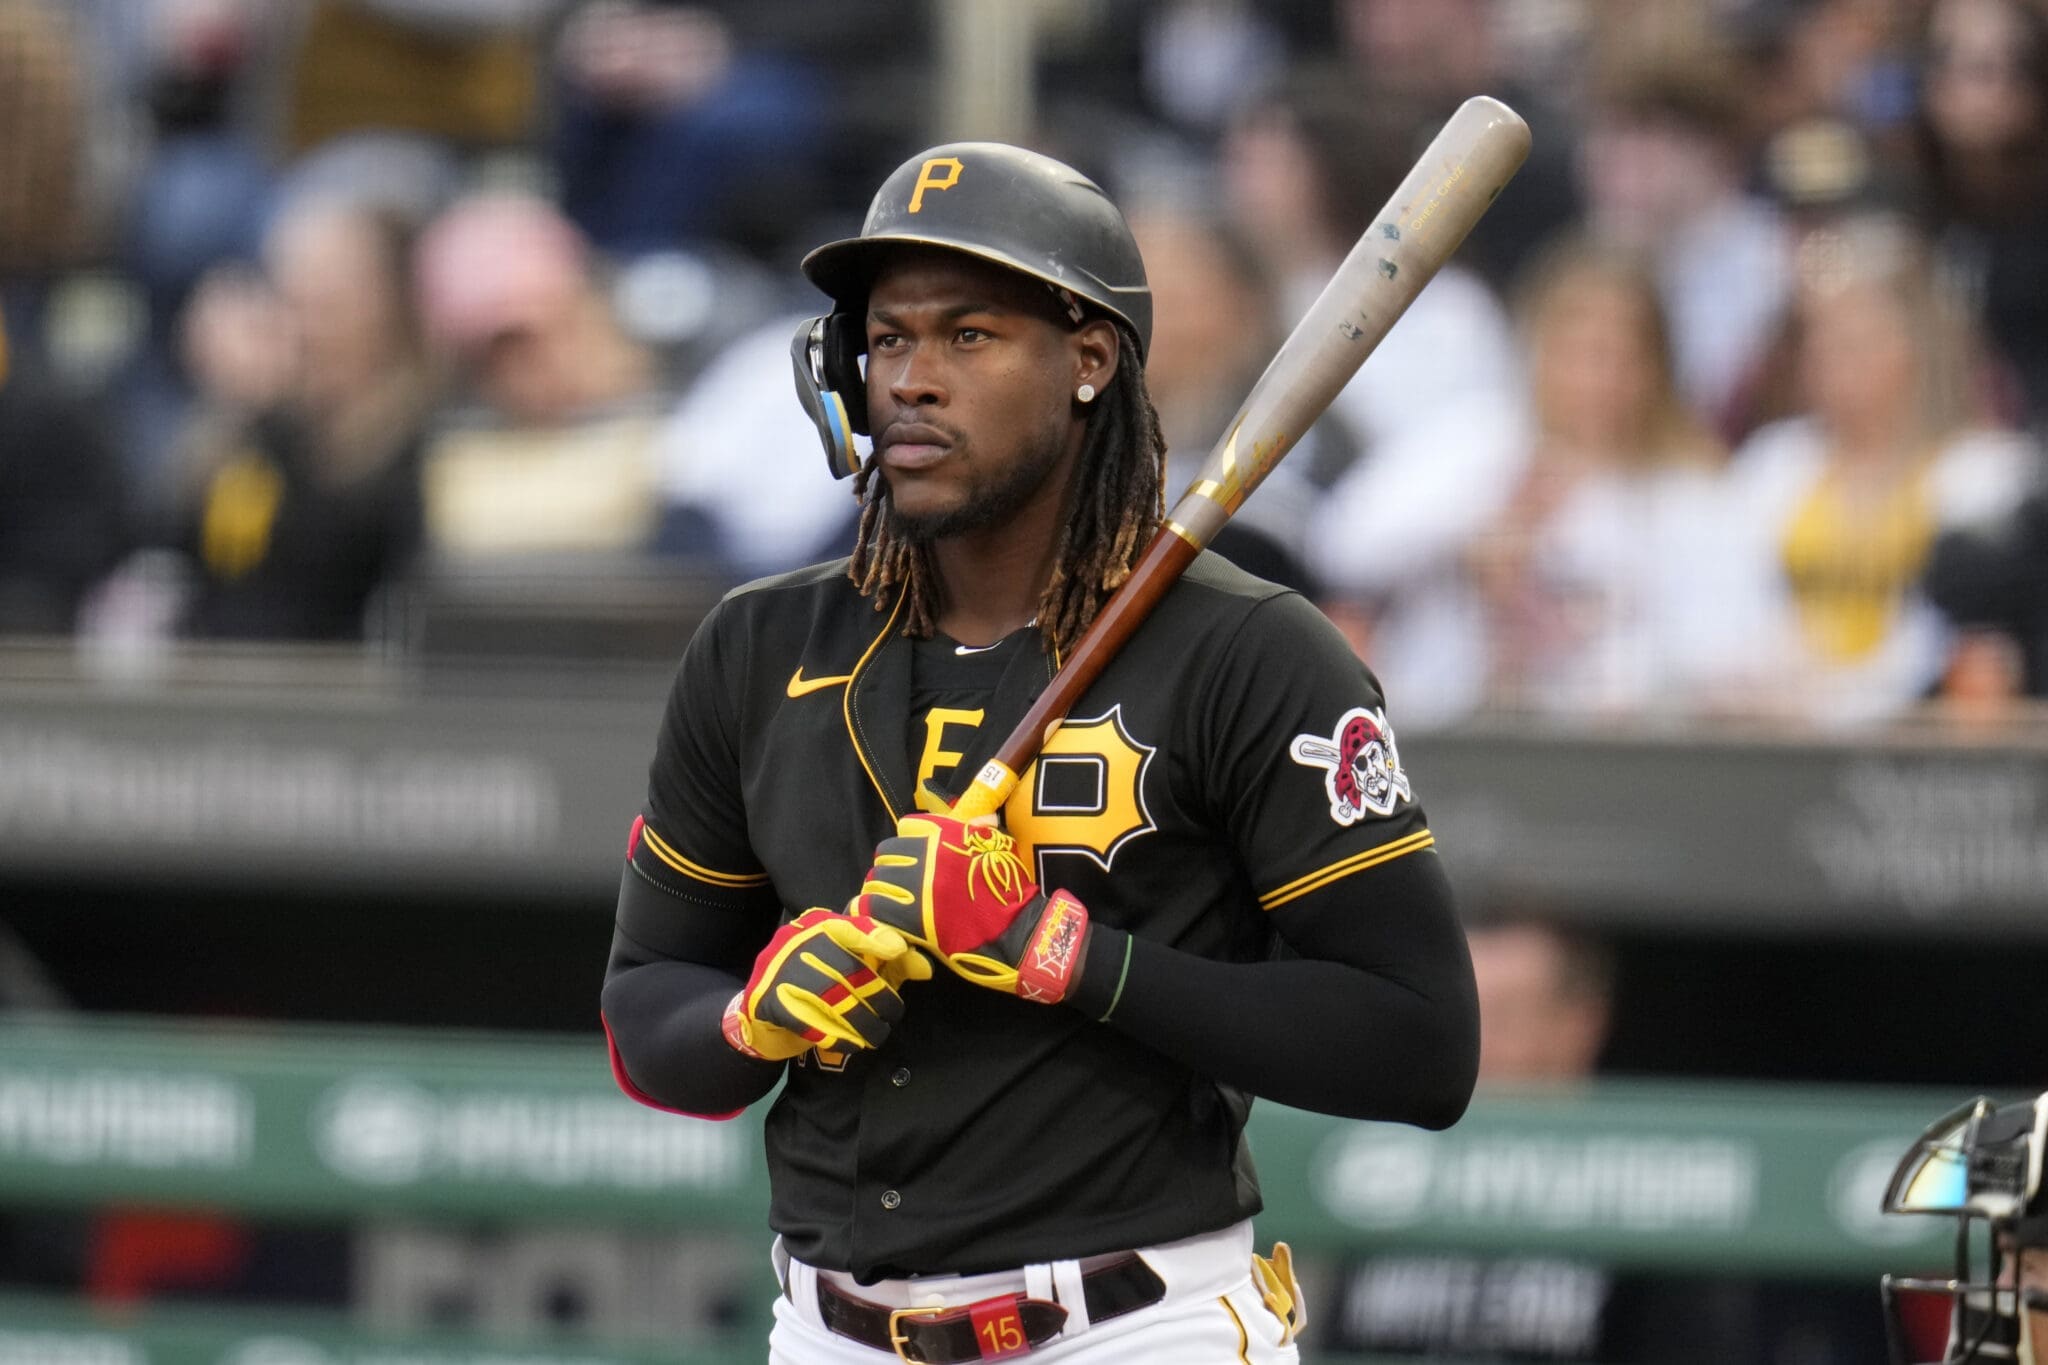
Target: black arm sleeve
x=694, y=905
x=675, y=1054
x=1377, y=1019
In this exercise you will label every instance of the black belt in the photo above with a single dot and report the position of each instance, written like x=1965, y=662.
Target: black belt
x=1005, y=1326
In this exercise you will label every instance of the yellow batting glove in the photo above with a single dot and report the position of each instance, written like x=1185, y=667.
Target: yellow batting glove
x=824, y=981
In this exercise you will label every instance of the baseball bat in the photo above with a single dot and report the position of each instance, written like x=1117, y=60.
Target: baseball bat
x=1435, y=206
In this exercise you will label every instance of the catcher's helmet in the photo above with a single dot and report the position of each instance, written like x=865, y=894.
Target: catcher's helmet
x=1981, y=1165
x=1003, y=204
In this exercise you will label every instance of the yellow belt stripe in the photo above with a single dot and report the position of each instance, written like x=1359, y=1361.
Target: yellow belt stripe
x=690, y=869
x=1357, y=862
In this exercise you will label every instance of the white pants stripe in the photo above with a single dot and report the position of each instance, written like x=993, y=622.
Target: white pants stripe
x=1211, y=1313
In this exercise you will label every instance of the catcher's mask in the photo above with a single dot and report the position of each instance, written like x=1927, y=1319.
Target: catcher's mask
x=1002, y=204
x=1980, y=1165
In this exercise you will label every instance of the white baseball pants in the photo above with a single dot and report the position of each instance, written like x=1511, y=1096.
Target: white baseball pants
x=1212, y=1313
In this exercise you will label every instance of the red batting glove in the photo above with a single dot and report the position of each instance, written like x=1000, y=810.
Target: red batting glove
x=962, y=891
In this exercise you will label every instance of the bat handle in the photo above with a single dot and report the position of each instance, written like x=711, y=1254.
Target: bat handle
x=1162, y=562
x=988, y=793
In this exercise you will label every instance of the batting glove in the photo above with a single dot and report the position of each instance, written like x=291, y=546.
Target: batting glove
x=825, y=981
x=961, y=891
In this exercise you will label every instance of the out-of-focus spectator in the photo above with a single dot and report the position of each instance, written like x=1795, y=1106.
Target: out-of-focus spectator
x=1432, y=55
x=62, y=512
x=1555, y=549
x=1983, y=139
x=41, y=149
x=1836, y=509
x=560, y=451
x=667, y=132
x=204, y=190
x=1983, y=681
x=744, y=482
x=1213, y=332
x=1304, y=170
x=1818, y=171
x=1991, y=582
x=1598, y=581
x=1545, y=1001
x=1842, y=60
x=200, y=198
x=464, y=72
x=1665, y=158
x=1198, y=57
x=302, y=465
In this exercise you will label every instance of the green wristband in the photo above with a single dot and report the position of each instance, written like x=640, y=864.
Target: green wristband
x=1120, y=977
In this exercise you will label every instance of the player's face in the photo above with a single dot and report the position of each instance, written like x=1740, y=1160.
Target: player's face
x=971, y=380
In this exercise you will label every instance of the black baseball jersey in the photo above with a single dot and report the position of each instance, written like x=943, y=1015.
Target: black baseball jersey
x=1227, y=800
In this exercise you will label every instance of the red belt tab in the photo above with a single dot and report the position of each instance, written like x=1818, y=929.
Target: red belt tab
x=998, y=1331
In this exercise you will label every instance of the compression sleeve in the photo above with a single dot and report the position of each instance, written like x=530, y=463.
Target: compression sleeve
x=668, y=1012
x=1376, y=1019
x=694, y=906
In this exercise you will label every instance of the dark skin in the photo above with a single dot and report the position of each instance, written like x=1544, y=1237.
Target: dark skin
x=972, y=380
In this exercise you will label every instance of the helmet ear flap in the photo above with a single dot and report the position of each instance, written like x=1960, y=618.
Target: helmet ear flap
x=825, y=355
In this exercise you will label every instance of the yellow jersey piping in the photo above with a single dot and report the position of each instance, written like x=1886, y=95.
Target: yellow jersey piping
x=664, y=851
x=1344, y=867
x=846, y=699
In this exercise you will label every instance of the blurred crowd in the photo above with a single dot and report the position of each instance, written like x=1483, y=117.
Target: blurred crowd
x=1730, y=408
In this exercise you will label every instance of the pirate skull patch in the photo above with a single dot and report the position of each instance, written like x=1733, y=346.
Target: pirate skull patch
x=1361, y=767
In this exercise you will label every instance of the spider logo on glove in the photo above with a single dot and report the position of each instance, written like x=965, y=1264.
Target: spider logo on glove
x=992, y=862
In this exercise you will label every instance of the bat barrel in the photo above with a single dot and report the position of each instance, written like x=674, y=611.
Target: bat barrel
x=1457, y=177
x=1465, y=165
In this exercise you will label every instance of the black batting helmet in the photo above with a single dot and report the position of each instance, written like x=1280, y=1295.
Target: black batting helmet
x=989, y=200
x=1003, y=204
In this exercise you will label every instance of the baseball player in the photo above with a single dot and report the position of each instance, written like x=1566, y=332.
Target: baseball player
x=1016, y=1059
x=1980, y=1164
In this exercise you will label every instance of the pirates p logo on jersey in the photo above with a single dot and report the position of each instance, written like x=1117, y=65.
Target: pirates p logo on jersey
x=1362, y=768
x=1085, y=793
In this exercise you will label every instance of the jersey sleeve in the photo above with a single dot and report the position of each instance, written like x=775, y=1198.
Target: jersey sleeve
x=1307, y=774
x=694, y=888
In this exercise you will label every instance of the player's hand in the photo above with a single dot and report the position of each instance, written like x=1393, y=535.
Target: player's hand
x=961, y=891
x=825, y=980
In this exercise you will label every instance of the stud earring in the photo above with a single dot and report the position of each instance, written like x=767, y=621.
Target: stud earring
x=1086, y=393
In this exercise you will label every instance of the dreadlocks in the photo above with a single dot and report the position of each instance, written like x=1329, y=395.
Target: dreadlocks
x=1112, y=509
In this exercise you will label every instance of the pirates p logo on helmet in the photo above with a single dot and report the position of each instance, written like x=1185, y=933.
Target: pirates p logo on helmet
x=927, y=181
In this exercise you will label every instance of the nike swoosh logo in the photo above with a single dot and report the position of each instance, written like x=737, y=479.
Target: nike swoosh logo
x=976, y=649
x=800, y=686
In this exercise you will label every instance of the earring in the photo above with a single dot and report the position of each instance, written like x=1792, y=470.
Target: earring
x=1086, y=393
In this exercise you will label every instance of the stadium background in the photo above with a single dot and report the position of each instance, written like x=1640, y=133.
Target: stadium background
x=323, y=711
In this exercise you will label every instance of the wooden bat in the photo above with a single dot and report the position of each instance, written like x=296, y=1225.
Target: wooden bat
x=1453, y=183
